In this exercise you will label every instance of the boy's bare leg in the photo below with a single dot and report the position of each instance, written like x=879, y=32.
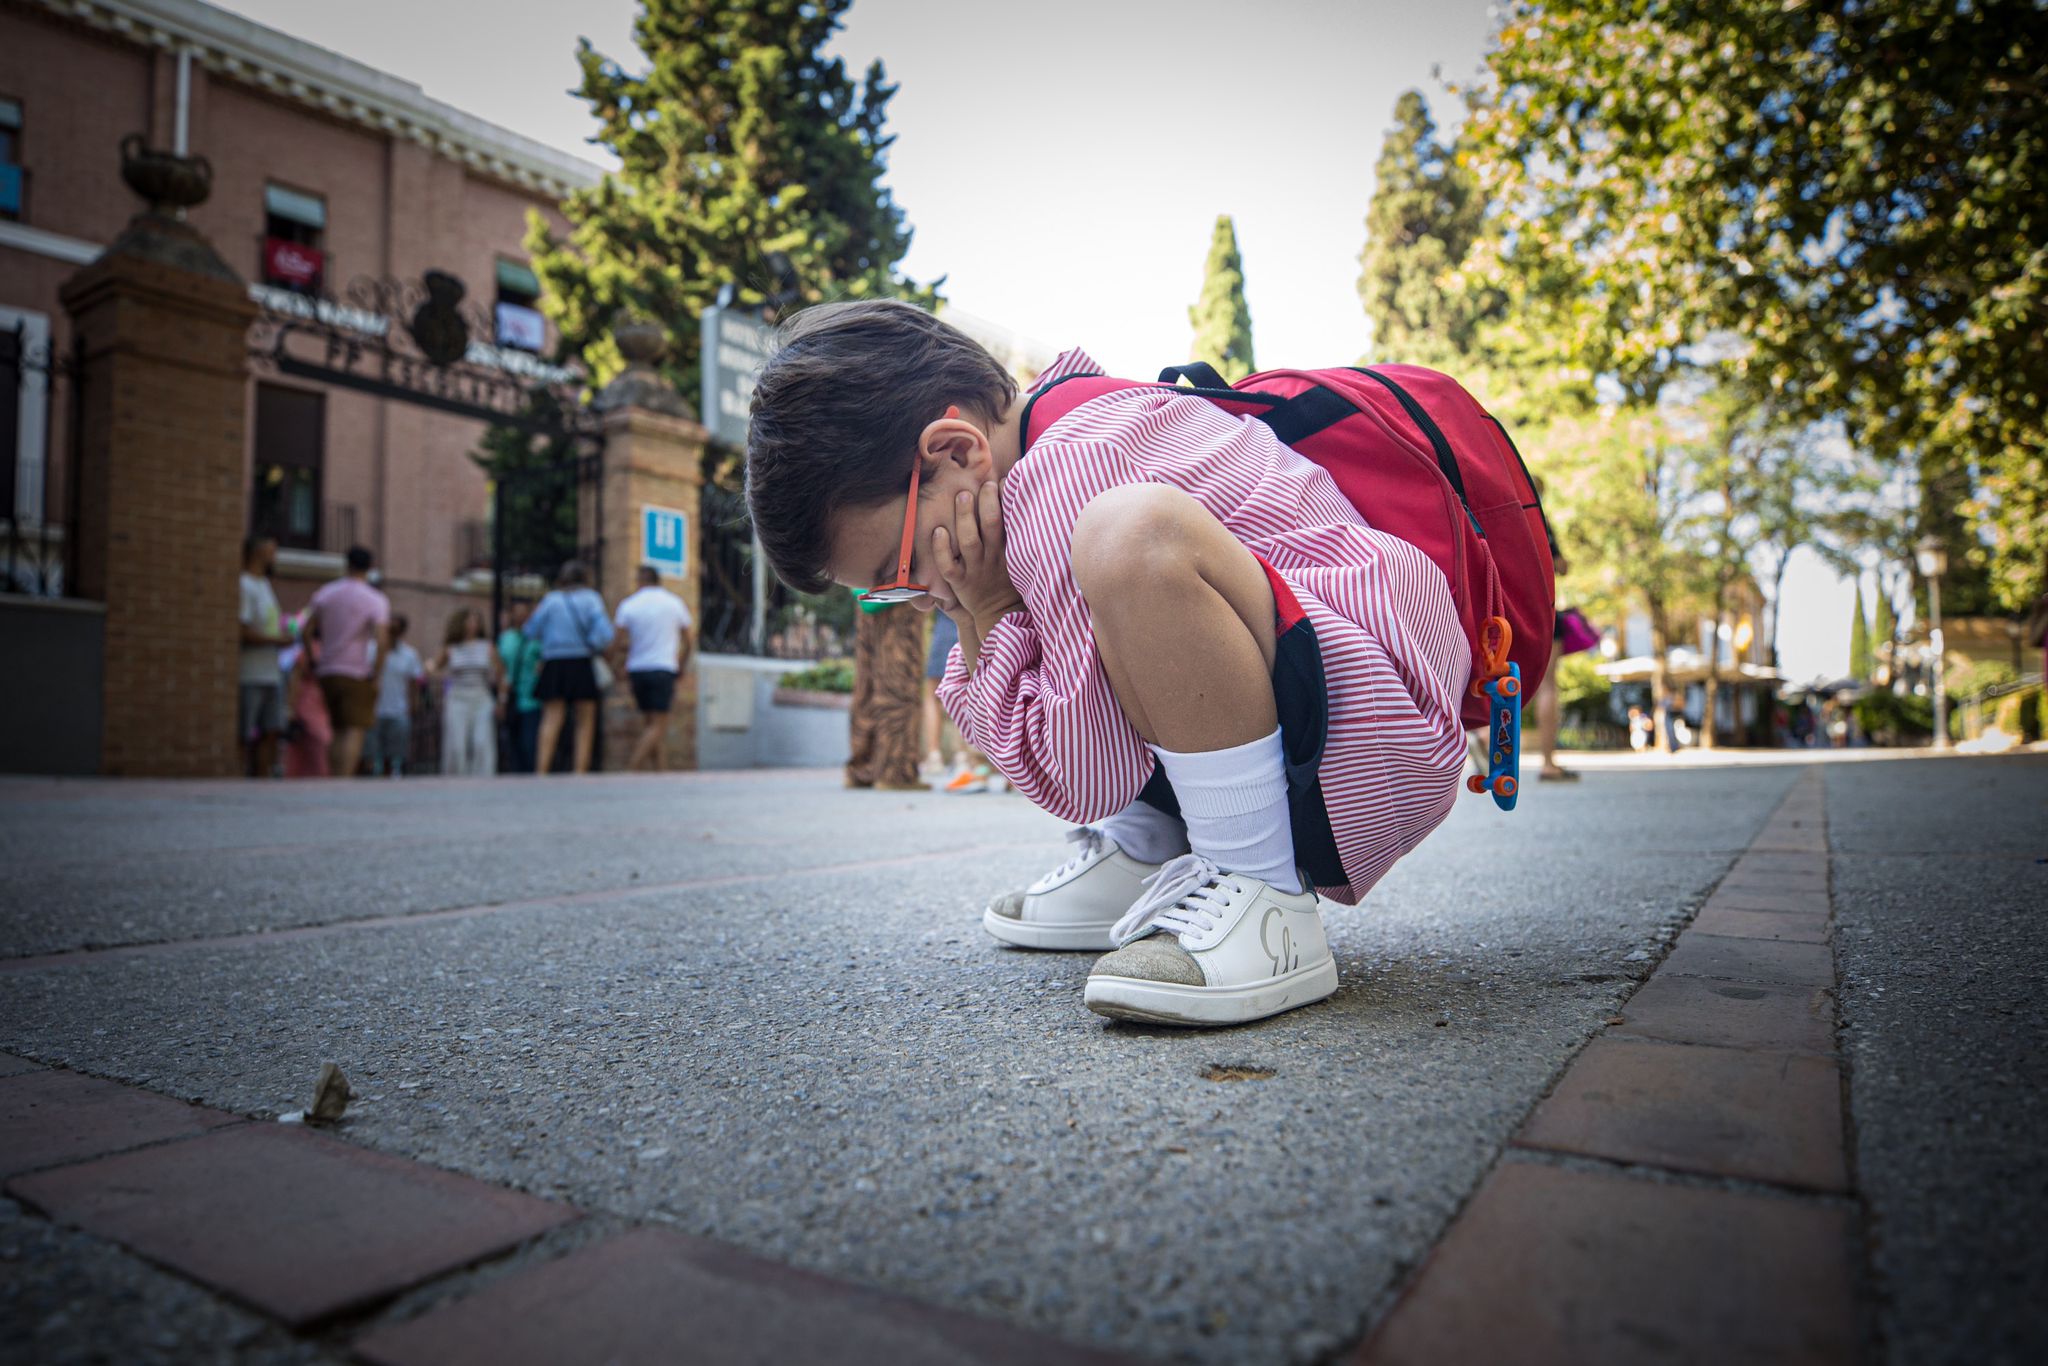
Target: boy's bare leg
x=1184, y=621
x=1167, y=583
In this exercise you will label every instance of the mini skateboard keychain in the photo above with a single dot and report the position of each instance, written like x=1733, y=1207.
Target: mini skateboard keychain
x=1500, y=683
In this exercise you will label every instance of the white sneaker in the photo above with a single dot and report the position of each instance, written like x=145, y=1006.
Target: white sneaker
x=1076, y=904
x=1206, y=947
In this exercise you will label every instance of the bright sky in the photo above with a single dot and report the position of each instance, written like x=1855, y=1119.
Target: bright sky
x=1063, y=163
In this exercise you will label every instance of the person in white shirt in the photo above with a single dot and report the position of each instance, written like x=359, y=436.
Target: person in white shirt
x=657, y=627
x=261, y=714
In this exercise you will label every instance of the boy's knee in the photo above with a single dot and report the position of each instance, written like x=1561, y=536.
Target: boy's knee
x=1134, y=534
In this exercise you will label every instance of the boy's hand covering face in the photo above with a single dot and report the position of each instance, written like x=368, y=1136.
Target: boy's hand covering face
x=969, y=556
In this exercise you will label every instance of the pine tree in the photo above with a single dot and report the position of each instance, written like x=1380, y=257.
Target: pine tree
x=1424, y=217
x=1884, y=641
x=1222, y=322
x=741, y=140
x=1860, y=662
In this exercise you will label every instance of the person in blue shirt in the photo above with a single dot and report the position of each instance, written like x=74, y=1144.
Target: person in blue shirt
x=572, y=629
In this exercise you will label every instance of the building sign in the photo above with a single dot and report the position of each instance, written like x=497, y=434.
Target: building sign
x=417, y=341
x=292, y=264
x=737, y=345
x=664, y=540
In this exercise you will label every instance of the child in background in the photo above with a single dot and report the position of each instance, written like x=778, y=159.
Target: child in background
x=398, y=678
x=1163, y=613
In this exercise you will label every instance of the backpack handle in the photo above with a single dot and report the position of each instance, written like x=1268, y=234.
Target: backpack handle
x=1201, y=372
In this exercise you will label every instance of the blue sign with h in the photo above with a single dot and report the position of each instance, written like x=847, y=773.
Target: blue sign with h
x=664, y=540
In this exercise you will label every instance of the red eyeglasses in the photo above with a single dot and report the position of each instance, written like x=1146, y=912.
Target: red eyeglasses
x=900, y=588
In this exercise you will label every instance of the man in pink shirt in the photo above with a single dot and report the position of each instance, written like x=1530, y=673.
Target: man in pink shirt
x=351, y=620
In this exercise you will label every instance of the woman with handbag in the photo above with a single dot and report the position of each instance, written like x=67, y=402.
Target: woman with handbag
x=572, y=629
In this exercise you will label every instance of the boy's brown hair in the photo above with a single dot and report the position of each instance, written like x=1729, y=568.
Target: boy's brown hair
x=837, y=415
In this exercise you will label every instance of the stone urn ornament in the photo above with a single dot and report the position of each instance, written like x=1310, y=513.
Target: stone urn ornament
x=169, y=182
x=642, y=342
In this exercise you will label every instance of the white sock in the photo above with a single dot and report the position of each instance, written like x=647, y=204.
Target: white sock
x=1235, y=804
x=1146, y=833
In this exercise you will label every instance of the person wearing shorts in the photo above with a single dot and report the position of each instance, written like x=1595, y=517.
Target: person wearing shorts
x=656, y=625
x=351, y=620
x=571, y=626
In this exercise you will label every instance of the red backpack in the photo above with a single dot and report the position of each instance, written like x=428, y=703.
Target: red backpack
x=1421, y=460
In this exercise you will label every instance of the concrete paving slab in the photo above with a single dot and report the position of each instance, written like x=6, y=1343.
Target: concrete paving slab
x=654, y=1296
x=1774, y=1117
x=1550, y=1267
x=1700, y=953
x=1738, y=922
x=296, y=1224
x=48, y=1117
x=1698, y=1010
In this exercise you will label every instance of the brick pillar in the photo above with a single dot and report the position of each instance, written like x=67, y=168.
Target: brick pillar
x=161, y=323
x=653, y=456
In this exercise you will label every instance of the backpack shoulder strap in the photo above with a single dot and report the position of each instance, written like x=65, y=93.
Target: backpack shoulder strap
x=1048, y=405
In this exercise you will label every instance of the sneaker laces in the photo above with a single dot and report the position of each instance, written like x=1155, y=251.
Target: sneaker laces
x=1091, y=841
x=1185, y=897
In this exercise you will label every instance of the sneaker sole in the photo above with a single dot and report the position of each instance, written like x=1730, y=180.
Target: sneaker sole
x=1134, y=998
x=1062, y=938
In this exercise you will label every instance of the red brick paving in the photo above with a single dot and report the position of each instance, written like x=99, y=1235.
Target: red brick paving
x=1701, y=953
x=48, y=1117
x=297, y=1224
x=1773, y=1117
x=1731, y=1014
x=1548, y=1265
x=658, y=1296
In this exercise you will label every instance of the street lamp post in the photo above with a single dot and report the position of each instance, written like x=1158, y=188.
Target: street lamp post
x=1933, y=560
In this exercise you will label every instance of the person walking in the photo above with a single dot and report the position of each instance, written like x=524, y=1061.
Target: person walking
x=350, y=619
x=399, y=672
x=474, y=682
x=520, y=659
x=571, y=628
x=261, y=681
x=657, y=629
x=887, y=660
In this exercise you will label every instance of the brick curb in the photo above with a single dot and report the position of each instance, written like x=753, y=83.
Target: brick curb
x=371, y=1252
x=1680, y=1193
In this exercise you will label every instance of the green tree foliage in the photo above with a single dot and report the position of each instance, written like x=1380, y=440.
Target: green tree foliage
x=1861, y=664
x=1884, y=641
x=740, y=140
x=1426, y=212
x=1222, y=321
x=1849, y=193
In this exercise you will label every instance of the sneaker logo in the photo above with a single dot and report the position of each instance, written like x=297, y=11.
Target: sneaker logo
x=1286, y=960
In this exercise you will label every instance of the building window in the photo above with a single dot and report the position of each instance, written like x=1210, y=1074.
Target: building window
x=519, y=322
x=292, y=226
x=13, y=175
x=291, y=440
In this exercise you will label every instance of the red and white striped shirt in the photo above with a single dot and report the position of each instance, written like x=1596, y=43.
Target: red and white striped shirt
x=1039, y=705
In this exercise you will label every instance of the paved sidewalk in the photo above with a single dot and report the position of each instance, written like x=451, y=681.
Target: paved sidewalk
x=629, y=1014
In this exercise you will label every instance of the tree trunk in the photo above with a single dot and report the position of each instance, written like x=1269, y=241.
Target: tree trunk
x=1777, y=604
x=1660, y=677
x=1710, y=712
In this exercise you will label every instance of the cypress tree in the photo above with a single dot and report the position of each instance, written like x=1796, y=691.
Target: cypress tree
x=1222, y=322
x=742, y=147
x=1860, y=663
x=1425, y=215
x=1887, y=632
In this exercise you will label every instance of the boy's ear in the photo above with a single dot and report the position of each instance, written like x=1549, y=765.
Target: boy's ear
x=952, y=439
